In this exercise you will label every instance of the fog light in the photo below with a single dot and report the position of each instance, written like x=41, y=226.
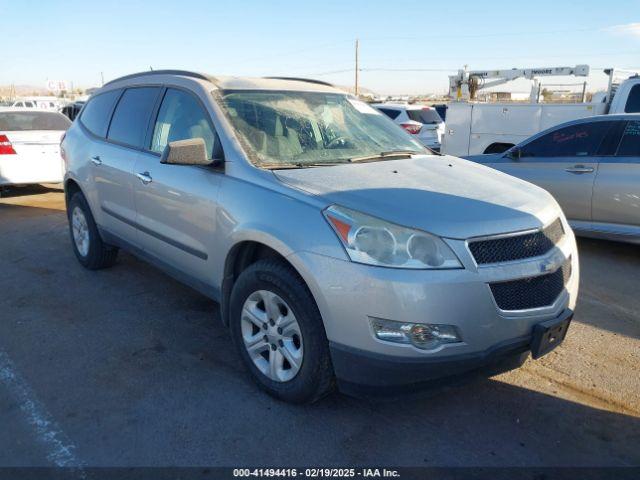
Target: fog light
x=421, y=335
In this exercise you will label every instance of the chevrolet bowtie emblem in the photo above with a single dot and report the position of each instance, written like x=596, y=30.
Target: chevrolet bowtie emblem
x=548, y=266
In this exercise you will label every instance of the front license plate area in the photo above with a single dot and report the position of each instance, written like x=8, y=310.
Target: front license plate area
x=548, y=335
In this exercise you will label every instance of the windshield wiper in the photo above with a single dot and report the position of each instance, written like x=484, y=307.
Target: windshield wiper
x=289, y=166
x=385, y=155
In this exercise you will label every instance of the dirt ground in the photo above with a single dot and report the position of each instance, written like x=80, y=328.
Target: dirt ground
x=127, y=367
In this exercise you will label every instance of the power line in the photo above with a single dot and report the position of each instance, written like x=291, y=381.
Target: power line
x=490, y=35
x=415, y=37
x=384, y=69
x=455, y=69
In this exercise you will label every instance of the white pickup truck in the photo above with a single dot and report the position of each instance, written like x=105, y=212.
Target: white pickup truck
x=477, y=128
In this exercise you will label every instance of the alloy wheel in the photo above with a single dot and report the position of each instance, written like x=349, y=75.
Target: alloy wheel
x=80, y=229
x=272, y=336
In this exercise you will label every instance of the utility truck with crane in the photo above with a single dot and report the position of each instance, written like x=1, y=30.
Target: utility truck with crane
x=474, y=128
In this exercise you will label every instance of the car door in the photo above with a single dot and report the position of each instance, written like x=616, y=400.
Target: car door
x=616, y=194
x=112, y=161
x=105, y=175
x=563, y=161
x=177, y=204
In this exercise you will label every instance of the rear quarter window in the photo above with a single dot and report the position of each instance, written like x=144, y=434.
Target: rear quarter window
x=392, y=114
x=630, y=141
x=97, y=112
x=633, y=101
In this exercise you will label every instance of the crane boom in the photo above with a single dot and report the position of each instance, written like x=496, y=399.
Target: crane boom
x=466, y=83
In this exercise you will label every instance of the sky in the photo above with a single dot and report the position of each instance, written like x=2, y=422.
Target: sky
x=405, y=47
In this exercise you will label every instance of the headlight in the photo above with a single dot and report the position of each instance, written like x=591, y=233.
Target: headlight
x=373, y=241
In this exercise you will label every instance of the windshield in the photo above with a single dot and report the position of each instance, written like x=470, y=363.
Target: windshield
x=298, y=128
x=22, y=121
x=425, y=115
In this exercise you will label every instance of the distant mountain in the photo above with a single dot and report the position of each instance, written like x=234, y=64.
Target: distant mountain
x=22, y=90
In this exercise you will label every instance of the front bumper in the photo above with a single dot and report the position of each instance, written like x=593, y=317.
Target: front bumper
x=361, y=372
x=349, y=295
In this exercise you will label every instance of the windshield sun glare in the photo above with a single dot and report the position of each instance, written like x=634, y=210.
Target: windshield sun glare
x=298, y=128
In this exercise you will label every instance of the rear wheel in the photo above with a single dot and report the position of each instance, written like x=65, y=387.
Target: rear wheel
x=278, y=331
x=87, y=245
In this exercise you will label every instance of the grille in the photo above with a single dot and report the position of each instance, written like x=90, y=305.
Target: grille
x=517, y=247
x=532, y=292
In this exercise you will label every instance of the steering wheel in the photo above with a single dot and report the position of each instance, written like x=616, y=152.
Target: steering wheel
x=338, y=142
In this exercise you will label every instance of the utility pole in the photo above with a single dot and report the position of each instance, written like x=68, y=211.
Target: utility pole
x=357, y=87
x=102, y=78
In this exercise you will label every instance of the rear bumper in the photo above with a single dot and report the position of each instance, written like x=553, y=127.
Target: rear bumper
x=361, y=372
x=11, y=183
x=431, y=142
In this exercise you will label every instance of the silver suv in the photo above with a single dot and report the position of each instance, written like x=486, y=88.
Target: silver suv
x=337, y=246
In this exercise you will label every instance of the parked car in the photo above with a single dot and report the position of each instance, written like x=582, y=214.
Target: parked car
x=40, y=103
x=338, y=247
x=72, y=110
x=441, y=108
x=30, y=146
x=591, y=166
x=423, y=122
x=23, y=104
x=477, y=128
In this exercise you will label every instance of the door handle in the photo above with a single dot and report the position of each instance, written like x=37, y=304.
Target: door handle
x=579, y=169
x=145, y=178
x=96, y=160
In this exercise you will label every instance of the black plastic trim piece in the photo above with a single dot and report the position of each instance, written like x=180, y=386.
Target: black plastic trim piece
x=184, y=73
x=298, y=79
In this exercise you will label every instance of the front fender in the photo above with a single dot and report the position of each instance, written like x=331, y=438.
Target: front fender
x=287, y=225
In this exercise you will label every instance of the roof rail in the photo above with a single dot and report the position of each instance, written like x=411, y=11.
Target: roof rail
x=184, y=73
x=297, y=79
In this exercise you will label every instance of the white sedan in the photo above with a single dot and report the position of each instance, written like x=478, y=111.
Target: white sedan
x=419, y=120
x=30, y=146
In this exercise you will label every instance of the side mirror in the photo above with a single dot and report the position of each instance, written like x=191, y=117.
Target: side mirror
x=514, y=154
x=192, y=151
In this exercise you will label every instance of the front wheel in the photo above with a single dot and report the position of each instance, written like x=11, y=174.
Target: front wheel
x=278, y=331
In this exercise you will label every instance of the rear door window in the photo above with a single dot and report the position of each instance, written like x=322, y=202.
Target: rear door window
x=97, y=113
x=580, y=140
x=633, y=101
x=630, y=142
x=131, y=116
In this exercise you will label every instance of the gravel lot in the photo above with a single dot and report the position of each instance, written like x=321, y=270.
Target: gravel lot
x=127, y=367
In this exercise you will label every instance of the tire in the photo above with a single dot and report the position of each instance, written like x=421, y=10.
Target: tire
x=95, y=254
x=314, y=378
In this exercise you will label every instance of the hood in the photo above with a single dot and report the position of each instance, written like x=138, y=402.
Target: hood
x=444, y=195
x=485, y=157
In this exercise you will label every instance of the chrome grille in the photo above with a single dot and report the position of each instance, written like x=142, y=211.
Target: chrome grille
x=516, y=247
x=531, y=292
